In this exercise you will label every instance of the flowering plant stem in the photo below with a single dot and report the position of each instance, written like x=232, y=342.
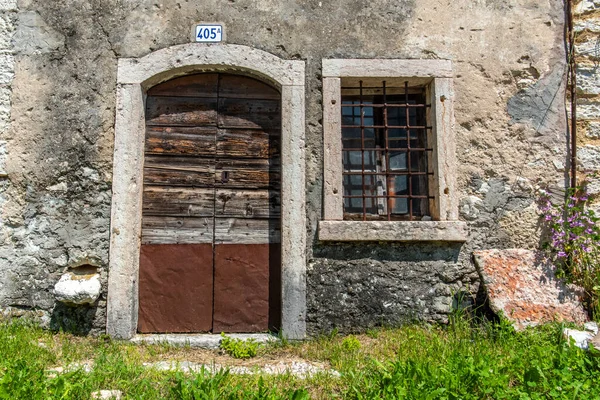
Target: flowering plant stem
x=574, y=244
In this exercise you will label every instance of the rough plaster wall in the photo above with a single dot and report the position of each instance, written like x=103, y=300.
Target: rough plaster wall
x=508, y=58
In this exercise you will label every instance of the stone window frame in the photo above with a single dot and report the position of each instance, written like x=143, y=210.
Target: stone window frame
x=436, y=77
x=134, y=77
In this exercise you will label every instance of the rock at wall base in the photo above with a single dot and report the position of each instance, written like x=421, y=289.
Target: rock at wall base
x=78, y=289
x=521, y=285
x=583, y=339
x=107, y=394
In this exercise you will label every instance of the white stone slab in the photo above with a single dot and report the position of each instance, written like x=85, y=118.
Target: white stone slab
x=200, y=340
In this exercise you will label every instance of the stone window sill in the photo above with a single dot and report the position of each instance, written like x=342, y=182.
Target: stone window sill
x=393, y=231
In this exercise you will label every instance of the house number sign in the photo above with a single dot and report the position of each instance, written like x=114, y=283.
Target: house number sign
x=209, y=33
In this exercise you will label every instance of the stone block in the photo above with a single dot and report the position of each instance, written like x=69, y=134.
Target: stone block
x=587, y=6
x=588, y=80
x=591, y=327
x=592, y=130
x=593, y=185
x=521, y=285
x=587, y=109
x=393, y=231
x=7, y=68
x=35, y=36
x=471, y=207
x=8, y=5
x=6, y=29
x=73, y=288
x=587, y=47
x=588, y=157
x=107, y=394
x=581, y=339
x=590, y=25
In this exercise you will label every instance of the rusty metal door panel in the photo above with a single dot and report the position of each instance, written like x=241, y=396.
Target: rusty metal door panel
x=242, y=291
x=175, y=288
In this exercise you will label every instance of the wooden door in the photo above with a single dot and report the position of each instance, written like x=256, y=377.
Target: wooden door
x=210, y=255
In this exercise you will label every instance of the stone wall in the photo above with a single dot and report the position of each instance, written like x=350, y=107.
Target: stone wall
x=587, y=51
x=57, y=152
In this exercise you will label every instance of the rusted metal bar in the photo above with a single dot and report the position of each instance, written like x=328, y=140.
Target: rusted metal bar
x=395, y=105
x=383, y=126
x=362, y=144
x=573, y=91
x=408, y=161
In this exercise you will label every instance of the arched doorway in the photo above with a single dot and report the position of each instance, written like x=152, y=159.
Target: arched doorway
x=210, y=255
x=135, y=76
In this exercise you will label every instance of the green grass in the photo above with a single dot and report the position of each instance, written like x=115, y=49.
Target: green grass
x=460, y=361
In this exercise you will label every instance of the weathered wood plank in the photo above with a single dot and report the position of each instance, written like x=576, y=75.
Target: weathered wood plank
x=198, y=85
x=248, y=179
x=247, y=230
x=271, y=164
x=243, y=87
x=249, y=114
x=243, y=178
x=248, y=143
x=178, y=201
x=175, y=111
x=248, y=173
x=183, y=141
x=174, y=230
x=247, y=203
x=179, y=171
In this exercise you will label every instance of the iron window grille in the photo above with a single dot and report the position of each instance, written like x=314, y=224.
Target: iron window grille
x=385, y=153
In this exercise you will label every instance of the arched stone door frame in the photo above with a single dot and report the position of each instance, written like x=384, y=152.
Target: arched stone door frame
x=134, y=77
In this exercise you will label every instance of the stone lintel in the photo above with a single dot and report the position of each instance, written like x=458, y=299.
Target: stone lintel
x=387, y=68
x=393, y=231
x=188, y=58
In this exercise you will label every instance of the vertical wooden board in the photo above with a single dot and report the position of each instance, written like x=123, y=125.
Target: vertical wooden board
x=175, y=288
x=246, y=296
x=198, y=85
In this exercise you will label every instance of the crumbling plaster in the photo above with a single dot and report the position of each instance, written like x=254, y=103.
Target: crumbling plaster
x=59, y=146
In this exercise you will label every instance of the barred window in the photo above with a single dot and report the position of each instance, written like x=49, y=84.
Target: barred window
x=385, y=152
x=388, y=146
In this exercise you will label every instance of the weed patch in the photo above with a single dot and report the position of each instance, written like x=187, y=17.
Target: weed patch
x=464, y=360
x=238, y=348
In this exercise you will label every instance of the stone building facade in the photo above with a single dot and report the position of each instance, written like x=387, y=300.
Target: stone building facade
x=74, y=77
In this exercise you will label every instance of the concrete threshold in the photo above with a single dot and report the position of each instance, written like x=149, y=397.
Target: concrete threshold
x=199, y=340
